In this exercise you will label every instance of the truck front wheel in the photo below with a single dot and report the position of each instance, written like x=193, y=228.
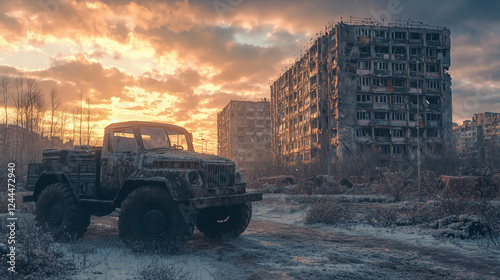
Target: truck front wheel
x=151, y=220
x=224, y=221
x=58, y=212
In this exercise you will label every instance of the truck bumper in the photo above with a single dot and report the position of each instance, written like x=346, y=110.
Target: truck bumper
x=205, y=202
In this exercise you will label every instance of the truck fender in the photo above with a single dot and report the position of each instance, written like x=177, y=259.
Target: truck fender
x=48, y=178
x=133, y=183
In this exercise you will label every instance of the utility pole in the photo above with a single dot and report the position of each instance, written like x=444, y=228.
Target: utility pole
x=418, y=146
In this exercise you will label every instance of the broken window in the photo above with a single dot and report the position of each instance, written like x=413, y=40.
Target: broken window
x=432, y=133
x=380, y=82
x=364, y=49
x=364, y=131
x=362, y=32
x=399, y=35
x=314, y=109
x=381, y=49
x=433, y=84
x=399, y=149
x=399, y=116
x=434, y=117
x=398, y=67
x=364, y=115
x=364, y=65
x=432, y=68
x=381, y=65
x=385, y=149
x=415, y=67
x=398, y=82
x=415, y=51
x=416, y=84
x=431, y=52
x=432, y=36
x=381, y=116
x=398, y=50
x=380, y=34
x=313, y=94
x=433, y=100
x=382, y=132
x=397, y=133
x=363, y=98
x=415, y=36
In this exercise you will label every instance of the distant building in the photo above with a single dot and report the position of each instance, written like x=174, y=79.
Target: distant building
x=244, y=132
x=469, y=137
x=365, y=86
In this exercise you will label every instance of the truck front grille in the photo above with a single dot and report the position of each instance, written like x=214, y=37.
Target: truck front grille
x=219, y=176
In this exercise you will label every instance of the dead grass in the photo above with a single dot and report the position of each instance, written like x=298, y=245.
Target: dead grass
x=329, y=213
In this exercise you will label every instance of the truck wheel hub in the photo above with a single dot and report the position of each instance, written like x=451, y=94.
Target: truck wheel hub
x=154, y=222
x=56, y=213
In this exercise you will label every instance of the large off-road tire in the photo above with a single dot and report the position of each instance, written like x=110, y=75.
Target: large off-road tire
x=58, y=212
x=225, y=221
x=151, y=220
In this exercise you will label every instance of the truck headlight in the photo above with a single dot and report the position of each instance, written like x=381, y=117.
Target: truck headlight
x=194, y=177
x=238, y=178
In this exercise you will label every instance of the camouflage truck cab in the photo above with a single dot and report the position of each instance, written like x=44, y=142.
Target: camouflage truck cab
x=151, y=172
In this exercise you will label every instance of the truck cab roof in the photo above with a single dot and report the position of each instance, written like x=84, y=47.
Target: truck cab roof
x=144, y=123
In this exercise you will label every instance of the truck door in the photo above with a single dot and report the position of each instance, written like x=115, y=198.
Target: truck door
x=120, y=158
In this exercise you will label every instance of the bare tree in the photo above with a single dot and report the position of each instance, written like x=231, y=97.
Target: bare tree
x=63, y=119
x=55, y=102
x=29, y=116
x=80, y=118
x=4, y=87
x=74, y=117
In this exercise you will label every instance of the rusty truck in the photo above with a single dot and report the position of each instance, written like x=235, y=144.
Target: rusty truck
x=148, y=172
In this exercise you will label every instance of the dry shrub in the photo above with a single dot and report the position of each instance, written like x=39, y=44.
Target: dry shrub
x=157, y=270
x=398, y=185
x=3, y=199
x=37, y=255
x=329, y=213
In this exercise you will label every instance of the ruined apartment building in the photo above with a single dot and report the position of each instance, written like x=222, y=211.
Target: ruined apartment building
x=244, y=132
x=471, y=134
x=360, y=87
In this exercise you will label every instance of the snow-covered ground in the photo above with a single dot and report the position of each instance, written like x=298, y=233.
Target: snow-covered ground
x=277, y=245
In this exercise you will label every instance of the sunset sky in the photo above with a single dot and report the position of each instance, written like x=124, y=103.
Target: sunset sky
x=183, y=61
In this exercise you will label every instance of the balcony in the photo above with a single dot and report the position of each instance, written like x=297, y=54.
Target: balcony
x=363, y=139
x=398, y=139
x=382, y=139
x=363, y=122
x=398, y=123
x=380, y=105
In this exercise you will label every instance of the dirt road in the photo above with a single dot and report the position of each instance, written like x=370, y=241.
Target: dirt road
x=272, y=250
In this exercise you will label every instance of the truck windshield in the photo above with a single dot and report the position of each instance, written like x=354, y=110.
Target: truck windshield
x=154, y=138
x=157, y=138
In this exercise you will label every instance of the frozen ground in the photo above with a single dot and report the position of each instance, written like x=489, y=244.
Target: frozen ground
x=277, y=245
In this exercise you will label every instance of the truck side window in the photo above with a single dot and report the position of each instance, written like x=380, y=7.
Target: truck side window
x=122, y=141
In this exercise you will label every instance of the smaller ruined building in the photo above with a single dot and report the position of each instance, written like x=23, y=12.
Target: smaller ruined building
x=244, y=132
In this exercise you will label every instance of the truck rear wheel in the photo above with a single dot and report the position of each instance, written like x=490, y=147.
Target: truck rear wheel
x=224, y=221
x=151, y=220
x=58, y=212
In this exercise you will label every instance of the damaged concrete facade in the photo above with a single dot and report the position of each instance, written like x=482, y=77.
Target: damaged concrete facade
x=244, y=132
x=360, y=87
